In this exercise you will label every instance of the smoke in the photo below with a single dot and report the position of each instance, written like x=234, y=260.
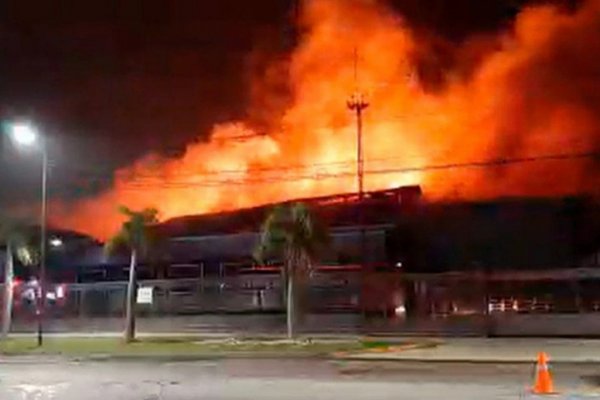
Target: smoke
x=524, y=93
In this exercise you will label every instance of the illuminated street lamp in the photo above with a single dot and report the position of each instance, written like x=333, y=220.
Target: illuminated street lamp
x=56, y=242
x=24, y=134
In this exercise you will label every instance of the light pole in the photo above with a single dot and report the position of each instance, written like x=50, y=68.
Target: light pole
x=25, y=134
x=357, y=103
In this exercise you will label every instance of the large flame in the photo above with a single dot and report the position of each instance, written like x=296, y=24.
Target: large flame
x=526, y=93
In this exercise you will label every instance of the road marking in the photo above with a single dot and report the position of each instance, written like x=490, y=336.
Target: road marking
x=39, y=392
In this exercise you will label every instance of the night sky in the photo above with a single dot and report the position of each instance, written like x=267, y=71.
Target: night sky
x=108, y=81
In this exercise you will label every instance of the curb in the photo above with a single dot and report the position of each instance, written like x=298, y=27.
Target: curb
x=461, y=361
x=200, y=357
x=56, y=358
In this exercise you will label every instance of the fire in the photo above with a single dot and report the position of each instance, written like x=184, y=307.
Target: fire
x=527, y=92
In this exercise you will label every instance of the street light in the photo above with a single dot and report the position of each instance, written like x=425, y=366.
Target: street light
x=24, y=134
x=56, y=242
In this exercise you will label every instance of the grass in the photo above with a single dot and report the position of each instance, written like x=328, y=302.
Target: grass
x=376, y=344
x=186, y=347
x=183, y=347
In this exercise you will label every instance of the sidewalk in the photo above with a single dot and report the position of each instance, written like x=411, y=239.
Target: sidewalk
x=419, y=349
x=497, y=350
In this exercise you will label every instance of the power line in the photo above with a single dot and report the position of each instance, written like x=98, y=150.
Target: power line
x=338, y=164
x=251, y=180
x=497, y=162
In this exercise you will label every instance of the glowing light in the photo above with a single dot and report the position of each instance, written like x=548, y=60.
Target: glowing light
x=56, y=242
x=23, y=134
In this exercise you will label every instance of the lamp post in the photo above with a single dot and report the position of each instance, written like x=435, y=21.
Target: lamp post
x=26, y=135
x=357, y=103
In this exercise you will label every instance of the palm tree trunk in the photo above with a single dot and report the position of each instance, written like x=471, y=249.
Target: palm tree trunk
x=8, y=291
x=131, y=297
x=290, y=305
x=284, y=284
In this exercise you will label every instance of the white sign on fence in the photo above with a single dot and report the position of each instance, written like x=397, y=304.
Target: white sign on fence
x=144, y=295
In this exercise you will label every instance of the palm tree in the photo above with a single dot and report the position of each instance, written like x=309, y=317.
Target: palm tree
x=134, y=235
x=292, y=232
x=14, y=235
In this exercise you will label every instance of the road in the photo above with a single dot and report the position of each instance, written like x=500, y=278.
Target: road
x=35, y=379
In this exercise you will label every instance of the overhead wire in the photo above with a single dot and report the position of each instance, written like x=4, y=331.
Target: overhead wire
x=252, y=178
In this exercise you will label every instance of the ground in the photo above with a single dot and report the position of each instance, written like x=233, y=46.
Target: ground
x=57, y=378
x=191, y=347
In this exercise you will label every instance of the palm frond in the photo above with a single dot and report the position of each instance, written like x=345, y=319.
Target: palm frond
x=135, y=232
x=17, y=232
x=291, y=229
x=126, y=211
x=273, y=236
x=27, y=254
x=117, y=242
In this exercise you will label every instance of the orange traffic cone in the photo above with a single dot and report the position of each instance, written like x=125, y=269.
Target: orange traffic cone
x=543, y=380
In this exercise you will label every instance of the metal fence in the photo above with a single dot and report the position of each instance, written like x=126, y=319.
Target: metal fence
x=464, y=304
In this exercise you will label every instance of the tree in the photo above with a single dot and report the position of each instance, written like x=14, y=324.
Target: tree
x=293, y=233
x=15, y=237
x=137, y=238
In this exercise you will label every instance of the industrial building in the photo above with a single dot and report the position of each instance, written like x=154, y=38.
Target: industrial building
x=398, y=227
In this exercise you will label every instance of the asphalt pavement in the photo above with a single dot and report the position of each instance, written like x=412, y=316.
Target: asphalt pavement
x=55, y=378
x=496, y=350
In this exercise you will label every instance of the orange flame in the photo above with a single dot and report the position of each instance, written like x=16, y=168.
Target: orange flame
x=528, y=92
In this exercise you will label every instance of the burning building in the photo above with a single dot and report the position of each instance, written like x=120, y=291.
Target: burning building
x=513, y=113
x=233, y=236
x=402, y=232
x=206, y=244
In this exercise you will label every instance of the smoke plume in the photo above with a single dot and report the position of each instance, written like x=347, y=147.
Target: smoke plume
x=531, y=94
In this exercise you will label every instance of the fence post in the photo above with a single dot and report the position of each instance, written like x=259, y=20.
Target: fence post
x=202, y=277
